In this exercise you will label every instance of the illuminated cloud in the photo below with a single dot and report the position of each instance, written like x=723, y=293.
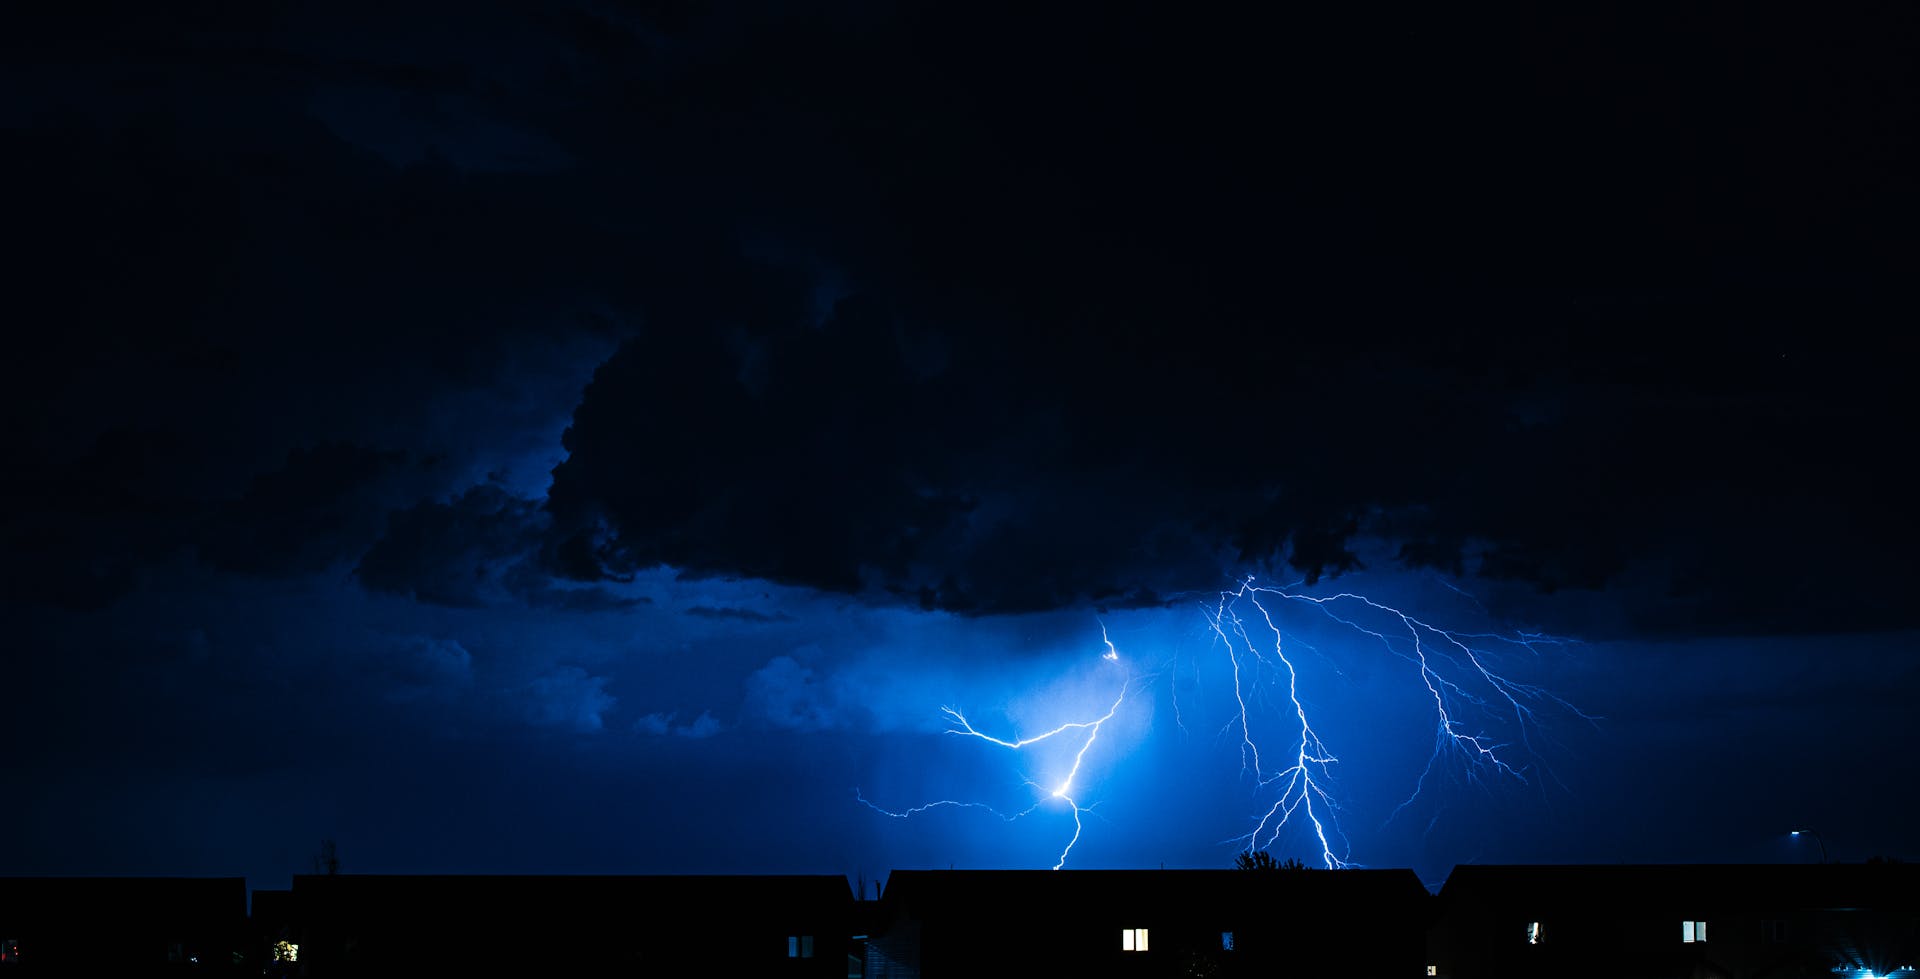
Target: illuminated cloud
x=429, y=669
x=567, y=697
x=786, y=694
x=662, y=724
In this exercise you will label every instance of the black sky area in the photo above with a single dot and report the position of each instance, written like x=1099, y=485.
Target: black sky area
x=469, y=430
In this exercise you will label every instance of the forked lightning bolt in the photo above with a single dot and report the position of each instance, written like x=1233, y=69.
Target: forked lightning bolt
x=1302, y=786
x=1090, y=730
x=1452, y=666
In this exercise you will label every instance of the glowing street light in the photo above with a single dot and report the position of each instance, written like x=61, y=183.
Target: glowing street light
x=1816, y=839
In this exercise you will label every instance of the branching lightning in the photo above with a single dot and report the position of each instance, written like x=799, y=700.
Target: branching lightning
x=1293, y=773
x=1303, y=782
x=1061, y=788
x=1303, y=786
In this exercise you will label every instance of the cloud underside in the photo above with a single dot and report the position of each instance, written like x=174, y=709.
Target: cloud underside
x=1044, y=474
x=1129, y=306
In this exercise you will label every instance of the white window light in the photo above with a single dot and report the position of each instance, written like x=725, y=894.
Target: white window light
x=1693, y=931
x=1133, y=939
x=1534, y=933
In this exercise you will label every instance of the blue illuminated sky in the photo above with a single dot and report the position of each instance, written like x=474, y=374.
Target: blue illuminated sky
x=593, y=437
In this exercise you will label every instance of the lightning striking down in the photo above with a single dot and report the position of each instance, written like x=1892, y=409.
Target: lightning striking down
x=1062, y=787
x=1293, y=772
x=1302, y=786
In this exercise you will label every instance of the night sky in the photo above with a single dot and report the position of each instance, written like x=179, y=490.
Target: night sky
x=601, y=437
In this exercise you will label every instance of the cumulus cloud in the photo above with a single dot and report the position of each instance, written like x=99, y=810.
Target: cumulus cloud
x=426, y=668
x=566, y=697
x=663, y=724
x=787, y=694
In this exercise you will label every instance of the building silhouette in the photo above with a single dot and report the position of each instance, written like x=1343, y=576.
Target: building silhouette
x=1795, y=921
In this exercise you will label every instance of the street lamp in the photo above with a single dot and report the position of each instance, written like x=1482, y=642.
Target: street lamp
x=1816, y=839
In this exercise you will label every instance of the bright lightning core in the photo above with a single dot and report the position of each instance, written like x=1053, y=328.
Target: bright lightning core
x=1261, y=643
x=1061, y=754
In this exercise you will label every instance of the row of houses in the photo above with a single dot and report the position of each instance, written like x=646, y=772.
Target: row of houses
x=1854, y=921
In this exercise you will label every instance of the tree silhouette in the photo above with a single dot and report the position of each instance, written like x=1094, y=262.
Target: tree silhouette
x=1262, y=860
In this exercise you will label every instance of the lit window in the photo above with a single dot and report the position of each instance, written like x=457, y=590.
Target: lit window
x=1693, y=931
x=1133, y=939
x=284, y=951
x=1534, y=933
x=9, y=950
x=1226, y=941
x=799, y=946
x=1433, y=970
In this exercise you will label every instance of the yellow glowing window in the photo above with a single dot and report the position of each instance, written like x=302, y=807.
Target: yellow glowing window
x=1133, y=939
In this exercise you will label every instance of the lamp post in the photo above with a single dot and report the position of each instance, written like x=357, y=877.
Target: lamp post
x=1816, y=839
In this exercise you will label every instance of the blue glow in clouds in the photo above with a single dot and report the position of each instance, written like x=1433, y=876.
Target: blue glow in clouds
x=1084, y=733
x=1480, y=717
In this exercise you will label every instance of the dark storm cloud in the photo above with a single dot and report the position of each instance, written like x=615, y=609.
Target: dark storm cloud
x=454, y=553
x=932, y=310
x=1130, y=305
x=305, y=516
x=479, y=548
x=77, y=534
x=239, y=333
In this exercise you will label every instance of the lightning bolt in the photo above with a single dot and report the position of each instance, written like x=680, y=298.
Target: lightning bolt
x=1092, y=729
x=1294, y=774
x=1453, y=667
x=1089, y=732
x=1303, y=782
